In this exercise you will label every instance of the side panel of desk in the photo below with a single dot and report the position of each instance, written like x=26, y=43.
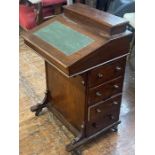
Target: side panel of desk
x=68, y=95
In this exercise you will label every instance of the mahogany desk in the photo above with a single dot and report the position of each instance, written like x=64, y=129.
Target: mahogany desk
x=85, y=54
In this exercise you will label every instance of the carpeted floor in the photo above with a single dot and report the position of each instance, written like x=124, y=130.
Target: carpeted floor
x=45, y=135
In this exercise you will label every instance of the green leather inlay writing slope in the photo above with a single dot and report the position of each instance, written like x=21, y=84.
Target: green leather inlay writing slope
x=63, y=38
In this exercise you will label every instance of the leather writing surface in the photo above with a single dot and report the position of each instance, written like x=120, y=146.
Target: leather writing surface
x=63, y=38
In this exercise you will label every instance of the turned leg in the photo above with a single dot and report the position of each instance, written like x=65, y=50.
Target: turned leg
x=38, y=107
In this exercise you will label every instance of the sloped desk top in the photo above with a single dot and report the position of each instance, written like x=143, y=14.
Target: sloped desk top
x=63, y=38
x=75, y=43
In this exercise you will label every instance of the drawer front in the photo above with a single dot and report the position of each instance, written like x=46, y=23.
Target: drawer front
x=99, y=110
x=109, y=118
x=107, y=72
x=105, y=91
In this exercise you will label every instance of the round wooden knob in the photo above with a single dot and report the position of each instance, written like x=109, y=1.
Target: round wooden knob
x=116, y=86
x=98, y=110
x=83, y=82
x=118, y=68
x=99, y=75
x=115, y=102
x=98, y=94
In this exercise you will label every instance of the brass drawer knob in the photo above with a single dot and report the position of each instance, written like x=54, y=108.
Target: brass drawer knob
x=98, y=94
x=115, y=102
x=116, y=86
x=118, y=68
x=99, y=75
x=98, y=110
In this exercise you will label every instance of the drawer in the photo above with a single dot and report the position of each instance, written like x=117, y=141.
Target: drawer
x=106, y=72
x=107, y=119
x=105, y=91
x=97, y=111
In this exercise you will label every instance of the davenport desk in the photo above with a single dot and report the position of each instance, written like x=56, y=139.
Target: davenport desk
x=85, y=53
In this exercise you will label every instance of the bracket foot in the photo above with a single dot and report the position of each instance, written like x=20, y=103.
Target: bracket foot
x=114, y=129
x=71, y=147
x=38, y=107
